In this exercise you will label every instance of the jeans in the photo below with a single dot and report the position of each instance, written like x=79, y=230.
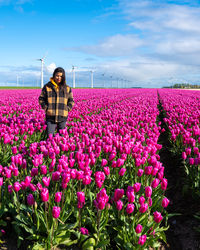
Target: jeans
x=51, y=127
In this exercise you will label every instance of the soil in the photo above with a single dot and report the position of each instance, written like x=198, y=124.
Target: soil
x=182, y=234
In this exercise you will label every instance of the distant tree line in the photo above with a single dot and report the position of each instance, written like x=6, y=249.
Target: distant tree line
x=184, y=86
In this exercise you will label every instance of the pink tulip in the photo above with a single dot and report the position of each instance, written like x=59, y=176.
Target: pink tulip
x=164, y=184
x=104, y=162
x=55, y=176
x=155, y=183
x=32, y=187
x=141, y=200
x=1, y=181
x=142, y=240
x=101, y=204
x=84, y=231
x=120, y=162
x=131, y=197
x=138, y=228
x=46, y=181
x=44, y=194
x=27, y=180
x=130, y=208
x=81, y=197
x=56, y=212
x=184, y=156
x=73, y=173
x=165, y=202
x=148, y=170
x=58, y=196
x=86, y=180
x=15, y=172
x=143, y=208
x=30, y=200
x=140, y=172
x=118, y=194
x=10, y=189
x=119, y=205
x=16, y=186
x=8, y=173
x=122, y=171
x=136, y=187
x=106, y=170
x=34, y=172
x=43, y=170
x=14, y=150
x=157, y=217
x=148, y=191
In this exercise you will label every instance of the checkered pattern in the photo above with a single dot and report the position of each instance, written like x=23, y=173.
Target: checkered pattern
x=56, y=102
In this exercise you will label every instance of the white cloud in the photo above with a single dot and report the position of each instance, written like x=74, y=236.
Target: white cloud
x=114, y=46
x=51, y=67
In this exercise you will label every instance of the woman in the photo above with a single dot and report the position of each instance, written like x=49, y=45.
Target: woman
x=57, y=100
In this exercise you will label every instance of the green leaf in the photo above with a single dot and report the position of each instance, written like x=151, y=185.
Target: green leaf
x=156, y=244
x=89, y=244
x=128, y=246
x=3, y=223
x=38, y=246
x=69, y=242
x=174, y=214
x=102, y=243
x=71, y=226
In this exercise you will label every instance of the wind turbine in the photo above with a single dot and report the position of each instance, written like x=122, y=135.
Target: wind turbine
x=73, y=71
x=18, y=80
x=42, y=67
x=92, y=84
x=103, y=80
x=111, y=81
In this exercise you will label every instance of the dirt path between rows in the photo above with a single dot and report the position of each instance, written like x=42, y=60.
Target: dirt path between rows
x=182, y=234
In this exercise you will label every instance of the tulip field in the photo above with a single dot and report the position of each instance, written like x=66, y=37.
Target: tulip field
x=99, y=184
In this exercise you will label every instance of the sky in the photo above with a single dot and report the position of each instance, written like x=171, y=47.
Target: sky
x=125, y=43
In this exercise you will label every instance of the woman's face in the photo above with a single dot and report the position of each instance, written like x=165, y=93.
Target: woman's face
x=58, y=77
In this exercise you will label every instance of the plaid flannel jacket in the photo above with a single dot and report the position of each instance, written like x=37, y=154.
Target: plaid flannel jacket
x=56, y=102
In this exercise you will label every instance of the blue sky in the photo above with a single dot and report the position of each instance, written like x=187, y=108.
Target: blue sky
x=125, y=42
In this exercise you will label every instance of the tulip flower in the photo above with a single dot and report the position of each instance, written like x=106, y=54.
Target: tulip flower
x=58, y=196
x=142, y=240
x=148, y=191
x=44, y=194
x=138, y=228
x=1, y=181
x=165, y=202
x=164, y=184
x=130, y=208
x=16, y=186
x=81, y=197
x=122, y=171
x=46, y=181
x=84, y=231
x=56, y=212
x=119, y=205
x=106, y=170
x=30, y=200
x=143, y=208
x=157, y=217
x=136, y=187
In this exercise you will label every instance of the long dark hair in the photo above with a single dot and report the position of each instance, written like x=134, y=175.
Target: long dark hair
x=63, y=82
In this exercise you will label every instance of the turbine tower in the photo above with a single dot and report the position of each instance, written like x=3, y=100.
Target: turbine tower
x=18, y=77
x=42, y=67
x=92, y=84
x=74, y=80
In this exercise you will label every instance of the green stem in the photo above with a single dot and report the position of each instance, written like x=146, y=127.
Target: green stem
x=46, y=212
x=98, y=224
x=79, y=219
